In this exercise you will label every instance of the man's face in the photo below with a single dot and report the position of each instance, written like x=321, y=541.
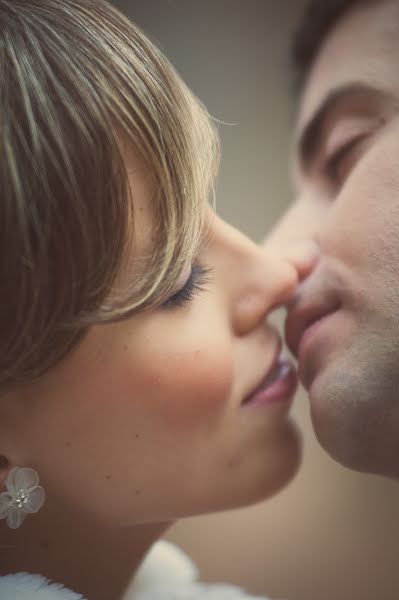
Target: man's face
x=346, y=174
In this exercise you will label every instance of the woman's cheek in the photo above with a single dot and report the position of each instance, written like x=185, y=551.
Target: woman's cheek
x=185, y=389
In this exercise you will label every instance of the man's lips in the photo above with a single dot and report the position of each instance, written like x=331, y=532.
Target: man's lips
x=303, y=316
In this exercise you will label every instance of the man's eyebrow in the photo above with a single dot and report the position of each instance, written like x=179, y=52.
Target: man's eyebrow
x=309, y=140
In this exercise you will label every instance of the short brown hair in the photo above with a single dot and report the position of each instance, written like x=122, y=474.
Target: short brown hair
x=73, y=73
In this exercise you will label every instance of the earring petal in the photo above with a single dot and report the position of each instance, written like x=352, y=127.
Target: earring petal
x=10, y=480
x=5, y=504
x=35, y=500
x=26, y=479
x=15, y=518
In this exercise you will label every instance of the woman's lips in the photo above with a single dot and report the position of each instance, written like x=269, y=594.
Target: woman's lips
x=279, y=384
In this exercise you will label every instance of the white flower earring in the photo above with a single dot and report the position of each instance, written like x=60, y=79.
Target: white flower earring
x=24, y=496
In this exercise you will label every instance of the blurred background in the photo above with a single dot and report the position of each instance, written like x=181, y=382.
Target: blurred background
x=332, y=533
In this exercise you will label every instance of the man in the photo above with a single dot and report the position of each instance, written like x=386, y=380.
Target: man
x=344, y=322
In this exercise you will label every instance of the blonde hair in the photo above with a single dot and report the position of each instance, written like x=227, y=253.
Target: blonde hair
x=76, y=77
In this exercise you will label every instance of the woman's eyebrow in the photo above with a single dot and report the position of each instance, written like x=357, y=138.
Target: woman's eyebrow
x=310, y=138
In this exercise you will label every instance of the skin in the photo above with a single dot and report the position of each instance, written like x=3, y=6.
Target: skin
x=143, y=423
x=351, y=211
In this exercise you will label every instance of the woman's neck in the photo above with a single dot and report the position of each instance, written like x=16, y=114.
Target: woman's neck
x=94, y=561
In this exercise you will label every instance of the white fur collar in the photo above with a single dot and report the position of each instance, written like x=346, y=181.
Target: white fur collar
x=24, y=586
x=165, y=574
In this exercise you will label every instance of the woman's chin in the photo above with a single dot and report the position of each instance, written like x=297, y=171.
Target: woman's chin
x=266, y=478
x=281, y=468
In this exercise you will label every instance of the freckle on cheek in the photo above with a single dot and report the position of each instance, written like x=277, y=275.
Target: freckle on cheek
x=233, y=463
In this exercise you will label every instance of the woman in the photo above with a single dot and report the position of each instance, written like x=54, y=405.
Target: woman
x=139, y=381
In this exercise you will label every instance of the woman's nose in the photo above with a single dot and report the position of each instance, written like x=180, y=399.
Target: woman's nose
x=268, y=281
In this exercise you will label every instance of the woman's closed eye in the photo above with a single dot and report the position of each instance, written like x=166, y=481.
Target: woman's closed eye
x=196, y=283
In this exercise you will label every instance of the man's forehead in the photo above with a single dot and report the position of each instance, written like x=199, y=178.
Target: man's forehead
x=362, y=49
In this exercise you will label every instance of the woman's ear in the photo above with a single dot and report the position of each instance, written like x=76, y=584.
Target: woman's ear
x=4, y=469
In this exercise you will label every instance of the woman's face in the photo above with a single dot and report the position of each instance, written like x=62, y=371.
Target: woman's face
x=145, y=421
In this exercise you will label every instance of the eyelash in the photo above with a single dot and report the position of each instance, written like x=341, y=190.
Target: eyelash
x=196, y=283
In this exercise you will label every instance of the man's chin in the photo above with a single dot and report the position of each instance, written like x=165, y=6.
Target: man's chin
x=336, y=422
